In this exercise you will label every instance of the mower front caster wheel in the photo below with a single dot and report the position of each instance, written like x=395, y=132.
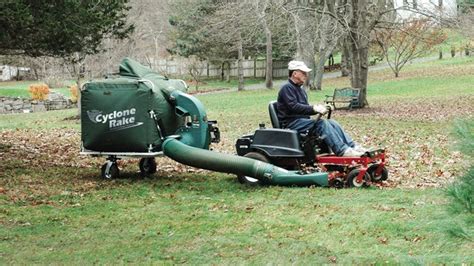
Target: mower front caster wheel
x=352, y=179
x=110, y=170
x=248, y=180
x=377, y=177
x=147, y=166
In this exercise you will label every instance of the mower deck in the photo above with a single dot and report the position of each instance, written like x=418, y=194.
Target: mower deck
x=374, y=159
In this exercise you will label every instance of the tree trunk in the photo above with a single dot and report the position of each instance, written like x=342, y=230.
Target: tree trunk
x=17, y=76
x=298, y=34
x=319, y=69
x=78, y=84
x=327, y=42
x=240, y=68
x=310, y=62
x=78, y=71
x=269, y=67
x=360, y=62
x=359, y=48
x=222, y=70
x=345, y=60
x=304, y=45
x=35, y=70
x=227, y=72
x=264, y=15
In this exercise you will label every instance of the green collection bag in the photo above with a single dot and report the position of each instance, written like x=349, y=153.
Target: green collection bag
x=117, y=113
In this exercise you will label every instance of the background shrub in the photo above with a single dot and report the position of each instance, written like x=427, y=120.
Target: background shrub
x=74, y=93
x=39, y=91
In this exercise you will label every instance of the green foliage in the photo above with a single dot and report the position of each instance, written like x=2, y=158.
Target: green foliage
x=209, y=30
x=465, y=131
x=465, y=6
x=461, y=192
x=60, y=28
x=187, y=21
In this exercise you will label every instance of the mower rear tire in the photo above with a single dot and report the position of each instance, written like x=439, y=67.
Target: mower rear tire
x=352, y=179
x=377, y=178
x=248, y=180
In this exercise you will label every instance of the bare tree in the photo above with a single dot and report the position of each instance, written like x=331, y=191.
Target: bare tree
x=412, y=39
x=195, y=68
x=317, y=33
x=357, y=19
x=329, y=33
x=249, y=21
x=273, y=19
x=303, y=30
x=360, y=17
x=464, y=25
x=263, y=8
x=225, y=29
x=345, y=58
x=147, y=43
x=256, y=20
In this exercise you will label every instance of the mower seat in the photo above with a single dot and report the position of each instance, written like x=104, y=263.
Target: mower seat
x=319, y=142
x=272, y=109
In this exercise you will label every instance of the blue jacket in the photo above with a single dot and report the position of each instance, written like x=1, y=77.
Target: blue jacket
x=293, y=103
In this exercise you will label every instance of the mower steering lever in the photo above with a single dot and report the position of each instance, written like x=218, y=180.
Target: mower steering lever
x=319, y=115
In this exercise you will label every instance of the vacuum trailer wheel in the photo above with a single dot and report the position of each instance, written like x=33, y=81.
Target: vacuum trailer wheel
x=377, y=178
x=243, y=179
x=110, y=173
x=147, y=166
x=352, y=179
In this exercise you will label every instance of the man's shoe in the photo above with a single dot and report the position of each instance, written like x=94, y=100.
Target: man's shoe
x=360, y=149
x=350, y=152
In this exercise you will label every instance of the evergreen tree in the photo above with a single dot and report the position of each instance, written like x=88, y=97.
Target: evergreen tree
x=60, y=28
x=461, y=192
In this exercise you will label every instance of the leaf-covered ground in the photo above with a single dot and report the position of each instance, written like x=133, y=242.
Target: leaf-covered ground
x=415, y=134
x=410, y=116
x=55, y=208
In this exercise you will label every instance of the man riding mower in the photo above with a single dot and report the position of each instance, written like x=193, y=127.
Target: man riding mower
x=304, y=152
x=298, y=142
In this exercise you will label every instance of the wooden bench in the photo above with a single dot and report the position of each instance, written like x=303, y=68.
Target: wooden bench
x=344, y=98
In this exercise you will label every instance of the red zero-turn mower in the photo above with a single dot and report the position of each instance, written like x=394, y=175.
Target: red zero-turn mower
x=294, y=151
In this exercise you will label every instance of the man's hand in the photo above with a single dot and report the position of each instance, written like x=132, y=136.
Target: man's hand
x=330, y=107
x=319, y=108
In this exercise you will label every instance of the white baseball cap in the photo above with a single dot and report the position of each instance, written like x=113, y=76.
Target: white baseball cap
x=298, y=65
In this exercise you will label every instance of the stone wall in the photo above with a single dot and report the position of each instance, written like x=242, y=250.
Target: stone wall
x=55, y=101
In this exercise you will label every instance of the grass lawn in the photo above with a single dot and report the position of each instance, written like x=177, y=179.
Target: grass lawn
x=20, y=88
x=56, y=209
x=212, y=84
